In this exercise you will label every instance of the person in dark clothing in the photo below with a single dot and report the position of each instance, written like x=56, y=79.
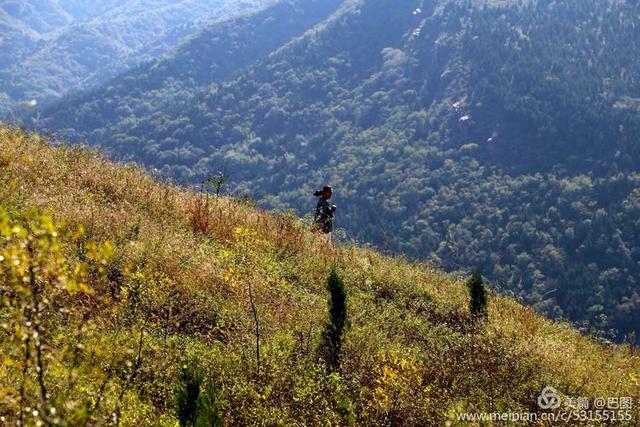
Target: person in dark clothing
x=324, y=211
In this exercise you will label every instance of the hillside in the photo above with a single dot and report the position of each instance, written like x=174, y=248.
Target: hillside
x=493, y=136
x=209, y=57
x=134, y=278
x=57, y=47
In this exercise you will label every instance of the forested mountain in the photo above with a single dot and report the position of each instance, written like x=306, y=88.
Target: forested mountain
x=495, y=136
x=53, y=47
x=211, y=56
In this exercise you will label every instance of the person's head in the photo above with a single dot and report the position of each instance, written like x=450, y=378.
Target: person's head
x=325, y=193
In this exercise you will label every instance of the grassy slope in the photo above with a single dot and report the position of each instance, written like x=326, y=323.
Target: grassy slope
x=410, y=354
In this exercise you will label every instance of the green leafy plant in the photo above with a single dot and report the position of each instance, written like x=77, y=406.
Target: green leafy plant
x=39, y=287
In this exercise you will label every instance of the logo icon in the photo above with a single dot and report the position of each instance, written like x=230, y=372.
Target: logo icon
x=549, y=398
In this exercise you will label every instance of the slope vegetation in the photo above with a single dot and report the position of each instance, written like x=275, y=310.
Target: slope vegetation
x=115, y=283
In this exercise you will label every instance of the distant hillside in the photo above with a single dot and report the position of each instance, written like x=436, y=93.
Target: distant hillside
x=132, y=297
x=494, y=136
x=203, y=60
x=59, y=46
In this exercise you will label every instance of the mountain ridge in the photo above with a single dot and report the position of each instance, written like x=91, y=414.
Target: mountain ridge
x=90, y=47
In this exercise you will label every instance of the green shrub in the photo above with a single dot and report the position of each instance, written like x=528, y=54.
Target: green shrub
x=337, y=322
x=208, y=407
x=478, y=297
x=195, y=406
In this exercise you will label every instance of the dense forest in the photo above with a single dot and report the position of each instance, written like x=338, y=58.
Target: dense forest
x=501, y=138
x=50, y=48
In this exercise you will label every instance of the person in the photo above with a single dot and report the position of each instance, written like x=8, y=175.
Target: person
x=324, y=212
